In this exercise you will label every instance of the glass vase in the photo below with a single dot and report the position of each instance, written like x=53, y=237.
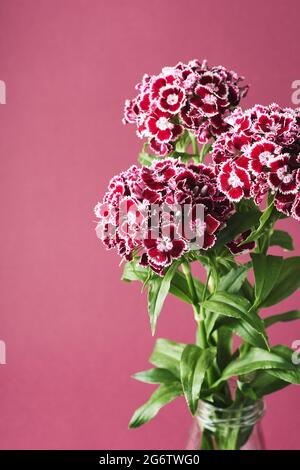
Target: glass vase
x=227, y=429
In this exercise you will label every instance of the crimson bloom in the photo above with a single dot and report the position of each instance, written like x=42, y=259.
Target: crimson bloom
x=234, y=181
x=192, y=97
x=260, y=153
x=141, y=213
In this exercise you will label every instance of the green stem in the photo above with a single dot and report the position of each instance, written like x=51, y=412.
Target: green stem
x=204, y=151
x=199, y=313
x=206, y=286
x=195, y=148
x=201, y=337
x=190, y=282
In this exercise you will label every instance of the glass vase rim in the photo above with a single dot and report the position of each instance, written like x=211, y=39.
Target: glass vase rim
x=208, y=405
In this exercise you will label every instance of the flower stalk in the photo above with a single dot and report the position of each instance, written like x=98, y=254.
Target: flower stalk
x=255, y=159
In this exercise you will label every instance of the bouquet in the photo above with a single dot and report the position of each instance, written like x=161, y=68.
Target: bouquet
x=213, y=180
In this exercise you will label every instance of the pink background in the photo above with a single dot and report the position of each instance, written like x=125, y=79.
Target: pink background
x=74, y=332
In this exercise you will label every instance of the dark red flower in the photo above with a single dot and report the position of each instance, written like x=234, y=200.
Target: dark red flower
x=161, y=149
x=282, y=177
x=234, y=181
x=143, y=213
x=161, y=128
x=162, y=250
x=205, y=101
x=284, y=203
x=211, y=227
x=262, y=154
x=171, y=99
x=159, y=82
x=296, y=208
x=159, y=175
x=188, y=96
x=235, y=246
x=260, y=187
x=264, y=142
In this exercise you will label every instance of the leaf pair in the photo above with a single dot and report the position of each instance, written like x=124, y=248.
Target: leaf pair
x=173, y=282
x=180, y=370
x=238, y=308
x=278, y=363
x=275, y=278
x=193, y=366
x=161, y=397
x=166, y=357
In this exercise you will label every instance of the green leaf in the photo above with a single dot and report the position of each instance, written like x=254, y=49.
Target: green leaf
x=234, y=279
x=210, y=322
x=180, y=289
x=287, y=283
x=207, y=442
x=291, y=374
x=234, y=306
x=263, y=384
x=193, y=366
x=269, y=213
x=155, y=376
x=167, y=355
x=161, y=397
x=205, y=149
x=145, y=158
x=158, y=290
x=255, y=359
x=183, y=156
x=237, y=224
x=266, y=269
x=247, y=291
x=282, y=239
x=282, y=317
x=134, y=272
x=224, y=346
x=244, y=331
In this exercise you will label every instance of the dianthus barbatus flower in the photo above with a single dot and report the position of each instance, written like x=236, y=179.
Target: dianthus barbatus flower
x=260, y=153
x=139, y=213
x=191, y=97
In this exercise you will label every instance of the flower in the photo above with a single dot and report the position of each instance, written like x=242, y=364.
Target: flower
x=235, y=246
x=234, y=181
x=153, y=213
x=191, y=97
x=283, y=177
x=162, y=250
x=171, y=98
x=161, y=128
x=260, y=153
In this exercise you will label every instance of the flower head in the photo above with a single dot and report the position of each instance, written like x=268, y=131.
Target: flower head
x=191, y=97
x=153, y=213
x=260, y=153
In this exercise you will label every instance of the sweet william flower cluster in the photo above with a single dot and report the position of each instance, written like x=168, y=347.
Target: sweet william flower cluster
x=191, y=97
x=186, y=205
x=260, y=153
x=126, y=219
